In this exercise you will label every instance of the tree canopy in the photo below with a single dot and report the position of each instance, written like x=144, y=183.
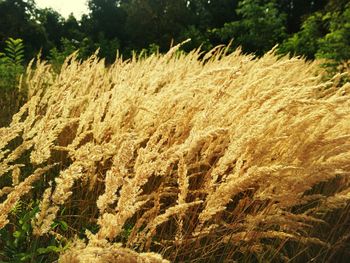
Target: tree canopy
x=317, y=28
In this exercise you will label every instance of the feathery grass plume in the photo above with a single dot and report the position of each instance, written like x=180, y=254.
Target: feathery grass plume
x=5, y=191
x=16, y=173
x=116, y=175
x=223, y=157
x=183, y=183
x=40, y=227
x=80, y=253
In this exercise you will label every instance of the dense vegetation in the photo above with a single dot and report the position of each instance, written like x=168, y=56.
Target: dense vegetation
x=313, y=29
x=317, y=28
x=198, y=160
x=236, y=153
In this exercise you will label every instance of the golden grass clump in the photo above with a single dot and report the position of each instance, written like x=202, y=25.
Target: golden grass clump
x=98, y=251
x=223, y=157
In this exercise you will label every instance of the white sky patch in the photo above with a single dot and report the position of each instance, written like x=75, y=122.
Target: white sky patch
x=65, y=7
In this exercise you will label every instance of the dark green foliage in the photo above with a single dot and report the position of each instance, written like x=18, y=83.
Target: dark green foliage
x=306, y=41
x=221, y=12
x=17, y=20
x=107, y=17
x=154, y=21
x=58, y=55
x=324, y=35
x=335, y=45
x=298, y=10
x=308, y=28
x=11, y=63
x=11, y=68
x=198, y=39
x=53, y=23
x=318, y=29
x=15, y=51
x=260, y=28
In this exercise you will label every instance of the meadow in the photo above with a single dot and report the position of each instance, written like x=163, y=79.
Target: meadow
x=199, y=157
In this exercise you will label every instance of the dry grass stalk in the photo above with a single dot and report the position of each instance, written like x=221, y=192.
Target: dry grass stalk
x=207, y=152
x=81, y=253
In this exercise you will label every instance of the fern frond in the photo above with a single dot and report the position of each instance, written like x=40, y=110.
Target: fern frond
x=15, y=50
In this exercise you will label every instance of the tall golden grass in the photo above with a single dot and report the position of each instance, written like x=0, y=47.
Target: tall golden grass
x=223, y=158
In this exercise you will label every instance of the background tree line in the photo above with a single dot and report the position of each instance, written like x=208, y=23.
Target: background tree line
x=313, y=29
x=318, y=28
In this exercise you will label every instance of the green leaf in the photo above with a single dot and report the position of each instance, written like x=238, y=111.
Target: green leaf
x=26, y=227
x=15, y=50
x=24, y=257
x=54, y=224
x=63, y=225
x=17, y=234
x=49, y=249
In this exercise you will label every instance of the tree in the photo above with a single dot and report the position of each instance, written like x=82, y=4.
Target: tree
x=324, y=34
x=260, y=28
x=52, y=23
x=72, y=29
x=297, y=11
x=219, y=12
x=306, y=41
x=18, y=21
x=335, y=45
x=155, y=21
x=106, y=17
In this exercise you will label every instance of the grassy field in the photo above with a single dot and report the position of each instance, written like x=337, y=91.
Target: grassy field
x=171, y=158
